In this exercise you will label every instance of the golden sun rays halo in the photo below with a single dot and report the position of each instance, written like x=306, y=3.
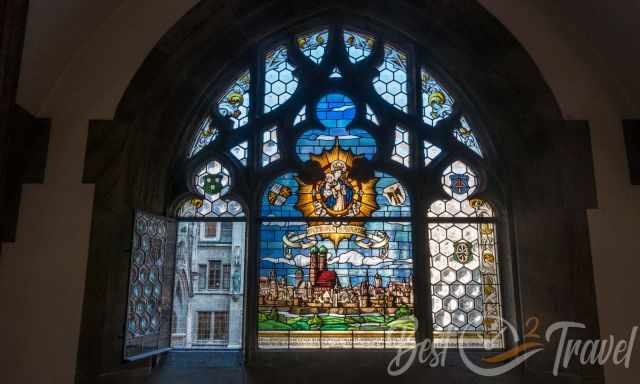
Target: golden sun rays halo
x=363, y=201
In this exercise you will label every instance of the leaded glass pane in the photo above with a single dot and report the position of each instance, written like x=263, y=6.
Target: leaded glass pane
x=212, y=182
x=301, y=116
x=279, y=200
x=459, y=181
x=465, y=287
x=437, y=103
x=289, y=196
x=313, y=142
x=392, y=198
x=391, y=83
x=468, y=208
x=335, y=74
x=464, y=134
x=371, y=116
x=335, y=286
x=235, y=102
x=358, y=45
x=313, y=45
x=401, y=148
x=241, y=152
x=150, y=285
x=431, y=151
x=206, y=134
x=270, y=152
x=335, y=111
x=280, y=84
x=197, y=207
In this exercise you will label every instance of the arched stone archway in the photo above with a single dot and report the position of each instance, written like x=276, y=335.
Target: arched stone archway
x=134, y=159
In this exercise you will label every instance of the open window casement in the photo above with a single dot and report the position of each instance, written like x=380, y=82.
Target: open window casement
x=151, y=275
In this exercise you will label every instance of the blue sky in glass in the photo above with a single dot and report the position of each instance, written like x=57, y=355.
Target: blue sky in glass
x=357, y=262
x=335, y=111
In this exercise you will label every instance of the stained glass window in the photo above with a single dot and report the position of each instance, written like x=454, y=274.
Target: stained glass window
x=280, y=84
x=240, y=152
x=359, y=45
x=437, y=103
x=235, y=102
x=431, y=151
x=391, y=83
x=313, y=45
x=205, y=135
x=464, y=134
x=401, y=148
x=334, y=224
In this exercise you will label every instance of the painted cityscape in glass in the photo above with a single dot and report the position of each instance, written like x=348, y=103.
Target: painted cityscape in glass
x=331, y=280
